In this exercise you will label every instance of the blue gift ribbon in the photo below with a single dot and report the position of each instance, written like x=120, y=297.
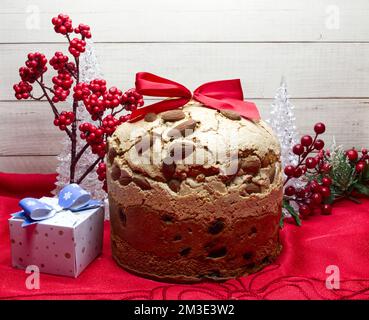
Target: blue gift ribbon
x=72, y=197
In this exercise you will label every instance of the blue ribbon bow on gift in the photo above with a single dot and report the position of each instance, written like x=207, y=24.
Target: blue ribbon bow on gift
x=72, y=197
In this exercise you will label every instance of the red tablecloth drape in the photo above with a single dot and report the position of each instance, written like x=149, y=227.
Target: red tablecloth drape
x=341, y=240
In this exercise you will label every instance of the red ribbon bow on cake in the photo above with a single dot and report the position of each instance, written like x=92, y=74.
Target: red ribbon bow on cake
x=219, y=95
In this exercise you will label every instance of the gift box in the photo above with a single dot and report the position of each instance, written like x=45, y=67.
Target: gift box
x=65, y=242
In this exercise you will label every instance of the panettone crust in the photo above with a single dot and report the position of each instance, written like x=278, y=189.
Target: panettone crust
x=181, y=221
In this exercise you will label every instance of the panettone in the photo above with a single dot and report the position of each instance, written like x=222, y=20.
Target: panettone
x=194, y=194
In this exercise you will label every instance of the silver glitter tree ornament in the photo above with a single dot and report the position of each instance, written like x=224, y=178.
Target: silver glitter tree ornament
x=282, y=121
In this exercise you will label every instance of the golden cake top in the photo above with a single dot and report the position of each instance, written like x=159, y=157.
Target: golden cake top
x=193, y=136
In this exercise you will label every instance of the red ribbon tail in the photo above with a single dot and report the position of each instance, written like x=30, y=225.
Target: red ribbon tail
x=226, y=94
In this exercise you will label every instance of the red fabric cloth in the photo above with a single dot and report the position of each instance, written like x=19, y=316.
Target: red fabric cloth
x=341, y=239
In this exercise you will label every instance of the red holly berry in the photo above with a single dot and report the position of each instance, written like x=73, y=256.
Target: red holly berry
x=326, y=181
x=81, y=91
x=77, y=46
x=63, y=80
x=35, y=67
x=311, y=162
x=319, y=128
x=124, y=118
x=101, y=171
x=95, y=105
x=22, y=90
x=84, y=30
x=306, y=140
x=109, y=124
x=301, y=193
x=58, y=61
x=94, y=137
x=316, y=198
x=325, y=167
x=352, y=155
x=289, y=170
x=326, y=209
x=105, y=186
x=360, y=166
x=304, y=210
x=60, y=94
x=62, y=83
x=98, y=86
x=364, y=151
x=325, y=191
x=62, y=24
x=319, y=144
x=112, y=98
x=298, y=172
x=131, y=99
x=290, y=191
x=298, y=149
x=65, y=119
x=314, y=186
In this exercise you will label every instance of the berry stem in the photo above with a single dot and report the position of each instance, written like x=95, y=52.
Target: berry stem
x=116, y=112
x=89, y=169
x=304, y=156
x=74, y=75
x=55, y=111
x=37, y=99
x=74, y=160
x=81, y=152
x=50, y=89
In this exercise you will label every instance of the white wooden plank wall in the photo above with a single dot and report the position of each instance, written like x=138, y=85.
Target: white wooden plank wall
x=320, y=46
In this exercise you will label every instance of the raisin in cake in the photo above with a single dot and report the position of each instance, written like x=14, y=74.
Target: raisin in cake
x=194, y=194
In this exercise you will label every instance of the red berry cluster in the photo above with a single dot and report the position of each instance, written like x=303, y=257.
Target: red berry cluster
x=77, y=46
x=97, y=98
x=65, y=119
x=62, y=83
x=62, y=24
x=132, y=100
x=94, y=137
x=58, y=61
x=109, y=124
x=124, y=118
x=84, y=30
x=360, y=161
x=112, y=98
x=101, y=174
x=311, y=197
x=315, y=194
x=303, y=149
x=81, y=91
x=98, y=86
x=101, y=171
x=22, y=90
x=95, y=105
x=35, y=67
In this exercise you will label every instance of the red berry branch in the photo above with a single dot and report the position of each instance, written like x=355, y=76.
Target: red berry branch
x=326, y=176
x=103, y=104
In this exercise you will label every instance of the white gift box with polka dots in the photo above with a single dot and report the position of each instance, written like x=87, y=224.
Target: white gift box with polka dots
x=64, y=244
